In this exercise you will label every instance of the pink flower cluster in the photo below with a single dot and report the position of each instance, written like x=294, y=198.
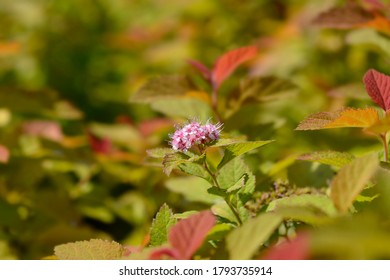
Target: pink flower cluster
x=193, y=134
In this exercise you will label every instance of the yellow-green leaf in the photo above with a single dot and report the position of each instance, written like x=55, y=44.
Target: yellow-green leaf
x=94, y=249
x=351, y=180
x=243, y=242
x=333, y=158
x=348, y=117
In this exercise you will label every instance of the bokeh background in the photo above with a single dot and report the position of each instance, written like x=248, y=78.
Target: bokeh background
x=77, y=142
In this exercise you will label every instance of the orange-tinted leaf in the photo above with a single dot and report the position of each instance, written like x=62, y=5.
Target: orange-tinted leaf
x=349, y=16
x=355, y=118
x=379, y=23
x=206, y=73
x=228, y=62
x=46, y=129
x=188, y=234
x=9, y=48
x=4, y=154
x=381, y=126
x=296, y=249
x=378, y=88
x=342, y=118
x=318, y=120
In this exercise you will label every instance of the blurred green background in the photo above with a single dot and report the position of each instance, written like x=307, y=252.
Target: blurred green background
x=77, y=144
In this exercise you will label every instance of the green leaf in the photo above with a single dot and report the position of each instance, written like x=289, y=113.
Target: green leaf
x=243, y=242
x=216, y=191
x=185, y=107
x=196, y=170
x=172, y=161
x=94, y=249
x=333, y=158
x=160, y=226
x=351, y=180
x=238, y=148
x=222, y=210
x=309, y=208
x=322, y=202
x=369, y=37
x=162, y=87
x=159, y=152
x=193, y=189
x=238, y=185
x=232, y=174
x=363, y=198
x=259, y=90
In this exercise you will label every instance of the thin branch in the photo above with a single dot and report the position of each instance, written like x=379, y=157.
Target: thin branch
x=385, y=146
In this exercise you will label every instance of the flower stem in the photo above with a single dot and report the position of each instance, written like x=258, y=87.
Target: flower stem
x=214, y=178
x=385, y=146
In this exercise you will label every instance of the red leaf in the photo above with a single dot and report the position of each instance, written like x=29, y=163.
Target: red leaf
x=188, y=234
x=378, y=88
x=160, y=252
x=4, y=154
x=206, y=73
x=297, y=249
x=228, y=62
x=100, y=146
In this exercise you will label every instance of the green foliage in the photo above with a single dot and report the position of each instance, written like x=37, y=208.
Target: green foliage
x=242, y=243
x=333, y=158
x=160, y=226
x=85, y=124
x=351, y=180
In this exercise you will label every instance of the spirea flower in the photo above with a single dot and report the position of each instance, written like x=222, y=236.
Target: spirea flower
x=194, y=133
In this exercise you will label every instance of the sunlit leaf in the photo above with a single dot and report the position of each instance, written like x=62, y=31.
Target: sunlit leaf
x=229, y=61
x=378, y=87
x=196, y=170
x=188, y=234
x=160, y=226
x=321, y=202
x=95, y=249
x=351, y=180
x=334, y=158
x=222, y=210
x=243, y=242
x=348, y=117
x=174, y=160
x=241, y=147
x=233, y=174
x=381, y=126
x=159, y=152
x=379, y=23
x=193, y=189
